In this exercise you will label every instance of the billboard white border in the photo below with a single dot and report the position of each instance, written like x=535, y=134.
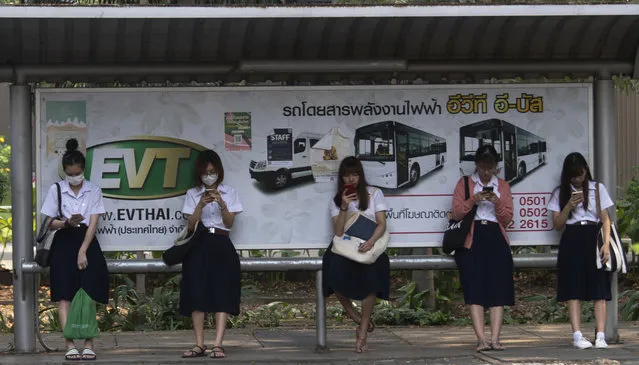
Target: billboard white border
x=40, y=92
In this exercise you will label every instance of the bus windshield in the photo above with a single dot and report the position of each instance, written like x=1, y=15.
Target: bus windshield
x=375, y=145
x=473, y=138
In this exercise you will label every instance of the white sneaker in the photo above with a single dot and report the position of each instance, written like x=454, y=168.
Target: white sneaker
x=582, y=343
x=600, y=343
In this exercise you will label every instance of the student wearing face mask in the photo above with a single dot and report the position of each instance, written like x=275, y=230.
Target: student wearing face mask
x=76, y=258
x=485, y=262
x=574, y=209
x=211, y=269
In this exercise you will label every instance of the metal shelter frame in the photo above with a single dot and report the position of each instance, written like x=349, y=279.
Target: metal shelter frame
x=310, y=44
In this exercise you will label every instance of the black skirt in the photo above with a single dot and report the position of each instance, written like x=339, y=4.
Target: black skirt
x=577, y=273
x=355, y=280
x=486, y=269
x=211, y=280
x=66, y=279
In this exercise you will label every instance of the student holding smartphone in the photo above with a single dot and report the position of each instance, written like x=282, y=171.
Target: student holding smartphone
x=76, y=258
x=574, y=209
x=486, y=263
x=211, y=269
x=351, y=280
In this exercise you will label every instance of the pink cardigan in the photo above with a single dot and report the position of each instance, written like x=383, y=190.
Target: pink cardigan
x=503, y=208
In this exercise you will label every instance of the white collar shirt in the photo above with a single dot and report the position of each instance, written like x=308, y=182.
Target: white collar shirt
x=211, y=213
x=485, y=209
x=579, y=213
x=377, y=203
x=87, y=202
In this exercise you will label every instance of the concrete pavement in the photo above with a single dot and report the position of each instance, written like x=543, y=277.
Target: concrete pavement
x=387, y=346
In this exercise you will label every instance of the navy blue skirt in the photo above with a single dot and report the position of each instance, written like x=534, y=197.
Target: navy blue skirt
x=211, y=281
x=577, y=273
x=486, y=269
x=354, y=280
x=66, y=279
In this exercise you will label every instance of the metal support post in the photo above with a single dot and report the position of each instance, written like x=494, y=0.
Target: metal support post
x=605, y=140
x=22, y=212
x=320, y=314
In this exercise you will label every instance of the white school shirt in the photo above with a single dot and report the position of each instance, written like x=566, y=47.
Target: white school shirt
x=87, y=202
x=579, y=213
x=376, y=203
x=485, y=208
x=211, y=213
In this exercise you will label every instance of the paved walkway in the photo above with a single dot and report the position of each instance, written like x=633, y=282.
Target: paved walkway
x=387, y=346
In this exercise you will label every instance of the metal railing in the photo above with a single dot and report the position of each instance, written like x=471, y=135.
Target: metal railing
x=436, y=262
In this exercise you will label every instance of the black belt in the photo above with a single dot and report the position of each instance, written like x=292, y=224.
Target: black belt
x=484, y=222
x=217, y=231
x=583, y=223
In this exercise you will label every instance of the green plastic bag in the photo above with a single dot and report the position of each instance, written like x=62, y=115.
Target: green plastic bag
x=81, y=322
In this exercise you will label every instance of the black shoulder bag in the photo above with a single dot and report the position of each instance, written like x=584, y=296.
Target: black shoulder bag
x=456, y=231
x=46, y=235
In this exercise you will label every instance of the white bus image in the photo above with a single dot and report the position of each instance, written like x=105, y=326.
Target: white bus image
x=278, y=177
x=520, y=152
x=394, y=154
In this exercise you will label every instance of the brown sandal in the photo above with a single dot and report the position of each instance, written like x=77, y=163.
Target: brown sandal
x=483, y=346
x=194, y=353
x=371, y=324
x=497, y=346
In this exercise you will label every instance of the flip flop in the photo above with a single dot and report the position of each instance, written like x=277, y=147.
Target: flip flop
x=73, y=355
x=193, y=353
x=88, y=354
x=217, y=352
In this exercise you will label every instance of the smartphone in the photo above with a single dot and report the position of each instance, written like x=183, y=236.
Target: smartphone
x=77, y=216
x=487, y=188
x=577, y=192
x=349, y=189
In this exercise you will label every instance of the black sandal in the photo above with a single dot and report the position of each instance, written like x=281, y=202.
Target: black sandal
x=215, y=350
x=193, y=353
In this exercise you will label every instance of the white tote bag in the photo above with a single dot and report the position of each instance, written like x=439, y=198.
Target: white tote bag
x=348, y=246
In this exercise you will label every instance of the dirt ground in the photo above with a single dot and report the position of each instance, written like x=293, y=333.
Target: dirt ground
x=300, y=292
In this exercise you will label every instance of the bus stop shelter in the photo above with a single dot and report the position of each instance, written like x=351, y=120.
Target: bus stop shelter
x=316, y=45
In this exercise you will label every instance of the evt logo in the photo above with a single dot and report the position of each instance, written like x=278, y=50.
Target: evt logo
x=143, y=168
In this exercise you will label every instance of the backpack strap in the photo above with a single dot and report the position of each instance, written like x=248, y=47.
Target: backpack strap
x=598, y=200
x=59, y=200
x=466, y=187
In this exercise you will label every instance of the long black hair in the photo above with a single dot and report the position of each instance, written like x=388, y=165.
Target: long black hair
x=72, y=156
x=352, y=164
x=574, y=165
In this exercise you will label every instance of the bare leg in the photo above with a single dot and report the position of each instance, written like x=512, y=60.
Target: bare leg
x=351, y=312
x=63, y=312
x=477, y=316
x=348, y=307
x=198, y=329
x=574, y=312
x=367, y=310
x=496, y=320
x=220, y=327
x=600, y=315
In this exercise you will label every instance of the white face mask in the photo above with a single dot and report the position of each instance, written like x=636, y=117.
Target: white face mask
x=209, y=179
x=75, y=180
